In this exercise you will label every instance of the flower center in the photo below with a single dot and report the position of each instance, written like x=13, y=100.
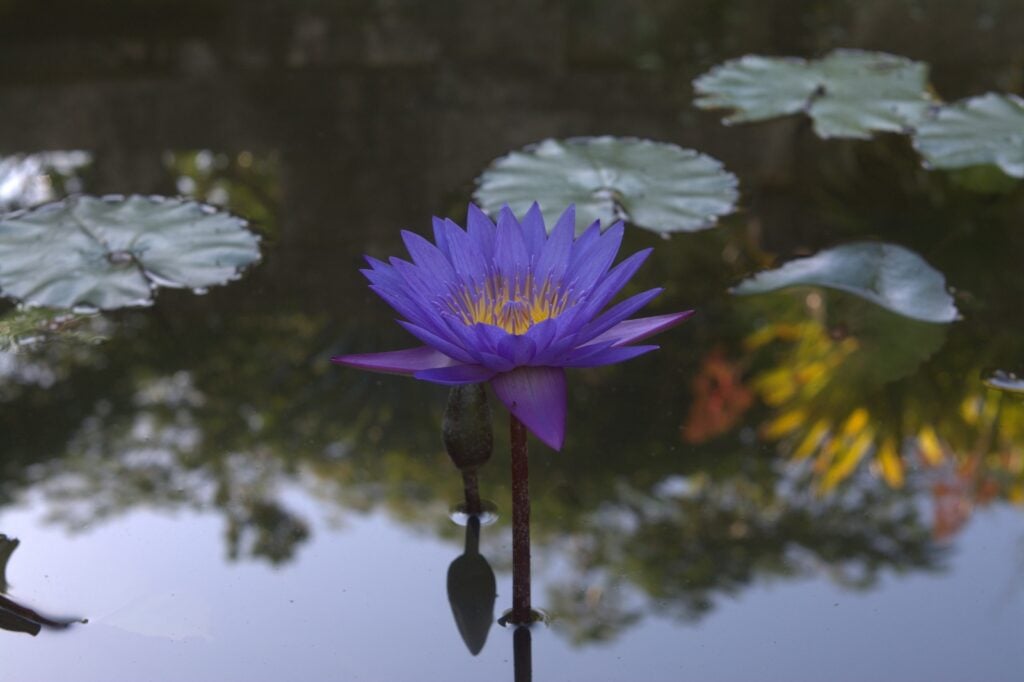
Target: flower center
x=514, y=306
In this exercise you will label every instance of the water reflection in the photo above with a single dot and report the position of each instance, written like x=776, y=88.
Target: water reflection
x=850, y=385
x=472, y=591
x=672, y=536
x=31, y=179
x=216, y=404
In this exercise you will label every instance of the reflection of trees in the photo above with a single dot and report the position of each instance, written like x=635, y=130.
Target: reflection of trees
x=259, y=405
x=689, y=541
x=245, y=183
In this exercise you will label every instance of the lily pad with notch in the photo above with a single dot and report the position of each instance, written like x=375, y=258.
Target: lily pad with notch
x=888, y=275
x=653, y=185
x=847, y=93
x=975, y=132
x=110, y=252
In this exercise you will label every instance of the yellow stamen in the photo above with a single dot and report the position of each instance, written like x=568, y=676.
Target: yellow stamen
x=514, y=306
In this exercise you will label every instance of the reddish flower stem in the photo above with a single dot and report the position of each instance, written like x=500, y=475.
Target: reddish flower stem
x=472, y=491
x=520, y=524
x=522, y=655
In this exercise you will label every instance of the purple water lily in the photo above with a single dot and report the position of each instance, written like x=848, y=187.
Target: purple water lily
x=511, y=305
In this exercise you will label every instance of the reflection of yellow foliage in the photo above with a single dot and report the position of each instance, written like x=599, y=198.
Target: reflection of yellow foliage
x=824, y=415
x=819, y=356
x=929, y=447
x=889, y=463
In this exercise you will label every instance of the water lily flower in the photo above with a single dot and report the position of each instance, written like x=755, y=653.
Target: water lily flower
x=509, y=304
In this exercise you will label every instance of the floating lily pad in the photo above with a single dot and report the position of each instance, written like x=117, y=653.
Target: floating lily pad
x=848, y=93
x=654, y=185
x=114, y=251
x=981, y=130
x=1004, y=380
x=886, y=274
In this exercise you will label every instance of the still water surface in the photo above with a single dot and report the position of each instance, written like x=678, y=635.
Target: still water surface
x=222, y=503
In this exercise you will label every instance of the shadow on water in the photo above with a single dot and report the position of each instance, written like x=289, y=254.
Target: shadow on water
x=16, y=617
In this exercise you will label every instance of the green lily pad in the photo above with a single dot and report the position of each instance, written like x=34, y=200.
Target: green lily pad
x=110, y=252
x=848, y=93
x=1004, y=380
x=981, y=130
x=654, y=185
x=885, y=274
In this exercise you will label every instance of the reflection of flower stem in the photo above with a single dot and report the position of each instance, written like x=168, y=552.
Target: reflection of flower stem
x=469, y=485
x=520, y=524
x=522, y=655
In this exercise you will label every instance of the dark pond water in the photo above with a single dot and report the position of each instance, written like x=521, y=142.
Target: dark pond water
x=221, y=502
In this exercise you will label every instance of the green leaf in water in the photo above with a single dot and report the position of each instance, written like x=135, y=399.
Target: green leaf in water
x=848, y=93
x=112, y=252
x=654, y=185
x=1003, y=380
x=981, y=130
x=886, y=274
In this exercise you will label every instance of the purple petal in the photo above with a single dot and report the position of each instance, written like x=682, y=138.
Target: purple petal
x=586, y=241
x=428, y=257
x=542, y=334
x=440, y=236
x=419, y=283
x=456, y=374
x=397, y=361
x=509, y=246
x=434, y=340
x=518, y=349
x=617, y=313
x=467, y=258
x=640, y=328
x=534, y=231
x=403, y=305
x=554, y=257
x=536, y=396
x=481, y=229
x=591, y=260
x=610, y=285
x=604, y=356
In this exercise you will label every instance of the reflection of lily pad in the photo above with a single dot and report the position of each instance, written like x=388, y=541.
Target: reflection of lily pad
x=848, y=93
x=888, y=275
x=889, y=346
x=982, y=130
x=653, y=185
x=113, y=251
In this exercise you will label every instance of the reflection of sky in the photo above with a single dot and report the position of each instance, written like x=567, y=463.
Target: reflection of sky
x=25, y=179
x=177, y=609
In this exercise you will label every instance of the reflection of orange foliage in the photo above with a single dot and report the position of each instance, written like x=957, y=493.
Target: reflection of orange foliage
x=976, y=482
x=952, y=508
x=720, y=399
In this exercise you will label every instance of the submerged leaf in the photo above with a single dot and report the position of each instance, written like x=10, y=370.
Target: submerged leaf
x=654, y=185
x=112, y=252
x=848, y=93
x=978, y=131
x=886, y=274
